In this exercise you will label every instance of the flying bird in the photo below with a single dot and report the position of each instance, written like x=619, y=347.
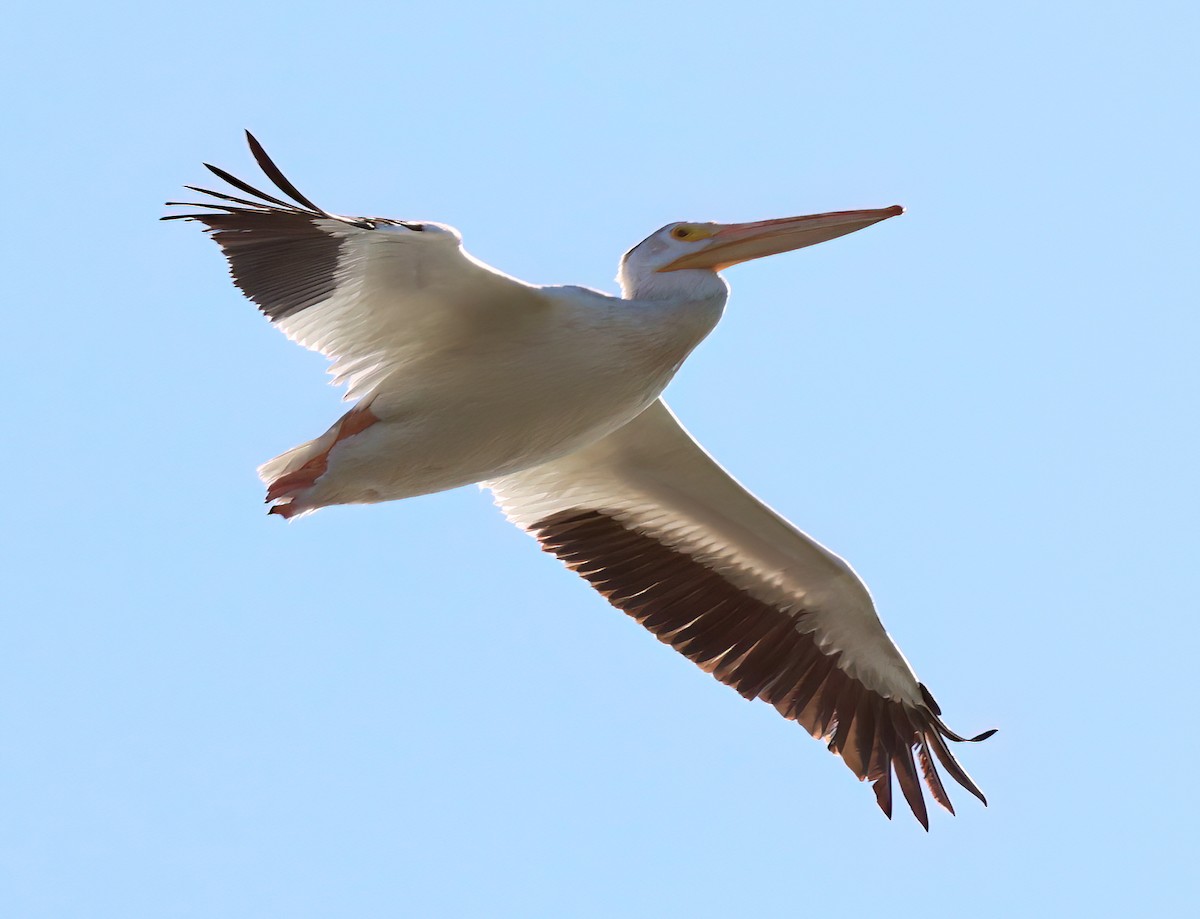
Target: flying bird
x=550, y=396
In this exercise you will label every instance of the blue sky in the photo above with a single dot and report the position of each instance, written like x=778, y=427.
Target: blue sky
x=987, y=405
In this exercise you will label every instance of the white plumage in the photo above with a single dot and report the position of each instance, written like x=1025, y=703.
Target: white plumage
x=551, y=397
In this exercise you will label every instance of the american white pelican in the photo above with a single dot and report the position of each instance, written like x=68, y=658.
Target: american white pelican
x=550, y=397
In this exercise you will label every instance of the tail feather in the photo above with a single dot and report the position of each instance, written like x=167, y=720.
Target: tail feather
x=292, y=474
x=293, y=459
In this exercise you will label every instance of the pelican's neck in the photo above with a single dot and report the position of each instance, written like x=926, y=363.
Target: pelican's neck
x=680, y=306
x=691, y=285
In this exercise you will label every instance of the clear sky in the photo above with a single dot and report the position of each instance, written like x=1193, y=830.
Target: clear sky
x=987, y=405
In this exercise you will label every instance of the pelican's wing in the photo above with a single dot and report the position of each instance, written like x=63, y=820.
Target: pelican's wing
x=364, y=291
x=655, y=525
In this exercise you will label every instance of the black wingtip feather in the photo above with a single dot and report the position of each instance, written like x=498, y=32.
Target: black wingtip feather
x=273, y=172
x=932, y=778
x=883, y=792
x=246, y=186
x=222, y=196
x=906, y=770
x=929, y=699
x=951, y=765
x=958, y=738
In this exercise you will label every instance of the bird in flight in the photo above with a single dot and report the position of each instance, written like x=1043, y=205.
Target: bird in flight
x=551, y=396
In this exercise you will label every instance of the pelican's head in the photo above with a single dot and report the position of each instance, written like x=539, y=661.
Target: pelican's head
x=694, y=248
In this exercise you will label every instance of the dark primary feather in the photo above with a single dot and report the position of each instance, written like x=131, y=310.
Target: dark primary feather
x=283, y=256
x=761, y=652
x=273, y=173
x=247, y=187
x=215, y=194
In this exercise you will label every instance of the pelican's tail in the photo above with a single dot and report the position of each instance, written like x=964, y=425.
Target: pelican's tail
x=291, y=474
x=293, y=459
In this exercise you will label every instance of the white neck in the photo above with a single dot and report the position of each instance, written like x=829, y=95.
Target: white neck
x=681, y=306
x=690, y=284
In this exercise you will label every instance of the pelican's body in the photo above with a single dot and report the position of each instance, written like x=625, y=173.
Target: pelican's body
x=550, y=396
x=549, y=371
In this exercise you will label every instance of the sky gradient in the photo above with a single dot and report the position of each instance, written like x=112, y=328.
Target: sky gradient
x=987, y=405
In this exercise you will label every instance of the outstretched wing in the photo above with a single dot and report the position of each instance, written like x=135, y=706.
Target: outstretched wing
x=364, y=291
x=655, y=525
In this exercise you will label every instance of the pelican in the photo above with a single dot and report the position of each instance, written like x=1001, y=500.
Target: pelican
x=551, y=397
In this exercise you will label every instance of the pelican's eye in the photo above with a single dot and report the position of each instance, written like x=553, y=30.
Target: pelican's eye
x=691, y=232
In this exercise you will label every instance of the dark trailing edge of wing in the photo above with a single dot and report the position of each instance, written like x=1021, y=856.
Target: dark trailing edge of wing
x=759, y=651
x=283, y=256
